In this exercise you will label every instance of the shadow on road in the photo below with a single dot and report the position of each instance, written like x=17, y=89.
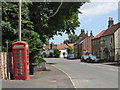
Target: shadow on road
x=51, y=63
x=114, y=64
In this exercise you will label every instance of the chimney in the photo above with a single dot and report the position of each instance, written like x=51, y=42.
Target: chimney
x=91, y=34
x=82, y=31
x=110, y=22
x=87, y=33
x=51, y=45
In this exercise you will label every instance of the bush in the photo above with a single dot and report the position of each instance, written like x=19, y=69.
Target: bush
x=35, y=44
x=57, y=53
x=40, y=60
x=69, y=49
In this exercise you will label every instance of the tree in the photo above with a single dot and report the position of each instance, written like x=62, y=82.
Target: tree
x=10, y=29
x=65, y=20
x=69, y=49
x=57, y=53
x=37, y=24
x=66, y=41
x=71, y=39
x=35, y=44
x=36, y=16
x=10, y=21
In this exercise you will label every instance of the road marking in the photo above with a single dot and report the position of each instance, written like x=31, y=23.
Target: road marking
x=67, y=75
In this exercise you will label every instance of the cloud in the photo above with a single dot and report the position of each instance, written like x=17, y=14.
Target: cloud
x=88, y=20
x=97, y=8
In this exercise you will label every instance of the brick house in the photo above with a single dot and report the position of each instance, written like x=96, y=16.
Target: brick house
x=82, y=45
x=96, y=44
x=76, y=44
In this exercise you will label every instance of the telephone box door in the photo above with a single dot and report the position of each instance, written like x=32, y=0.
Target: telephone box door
x=19, y=63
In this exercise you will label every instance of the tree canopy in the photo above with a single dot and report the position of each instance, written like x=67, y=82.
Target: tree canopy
x=66, y=19
x=71, y=39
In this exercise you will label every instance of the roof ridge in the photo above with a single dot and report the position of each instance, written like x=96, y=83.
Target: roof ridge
x=111, y=30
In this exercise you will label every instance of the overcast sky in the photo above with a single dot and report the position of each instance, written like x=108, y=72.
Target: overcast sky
x=94, y=17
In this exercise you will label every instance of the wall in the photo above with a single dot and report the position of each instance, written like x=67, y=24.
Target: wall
x=62, y=51
x=47, y=52
x=87, y=45
x=117, y=45
x=75, y=50
x=96, y=47
x=105, y=43
x=51, y=50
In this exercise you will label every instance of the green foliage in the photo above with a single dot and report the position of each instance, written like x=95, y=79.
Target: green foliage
x=69, y=49
x=37, y=27
x=10, y=21
x=57, y=53
x=66, y=19
x=66, y=41
x=40, y=60
x=71, y=38
x=35, y=44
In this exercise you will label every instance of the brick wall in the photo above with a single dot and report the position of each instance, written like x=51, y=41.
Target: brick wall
x=96, y=47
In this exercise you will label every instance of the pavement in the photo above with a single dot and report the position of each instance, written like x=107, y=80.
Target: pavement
x=88, y=75
x=112, y=63
x=0, y=83
x=51, y=78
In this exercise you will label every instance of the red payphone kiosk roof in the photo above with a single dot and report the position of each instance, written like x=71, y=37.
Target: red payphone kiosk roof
x=20, y=42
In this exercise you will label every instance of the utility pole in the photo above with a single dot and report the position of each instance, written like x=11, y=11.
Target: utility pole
x=19, y=20
x=7, y=60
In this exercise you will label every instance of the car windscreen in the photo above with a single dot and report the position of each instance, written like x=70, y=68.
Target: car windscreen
x=85, y=56
x=93, y=57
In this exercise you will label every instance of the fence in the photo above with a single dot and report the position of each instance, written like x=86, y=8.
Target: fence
x=6, y=69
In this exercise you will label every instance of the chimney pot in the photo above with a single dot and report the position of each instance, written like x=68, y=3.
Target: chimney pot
x=91, y=34
x=110, y=22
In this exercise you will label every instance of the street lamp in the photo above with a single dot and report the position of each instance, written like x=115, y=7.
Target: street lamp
x=19, y=20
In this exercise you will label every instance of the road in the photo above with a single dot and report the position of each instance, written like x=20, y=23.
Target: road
x=87, y=75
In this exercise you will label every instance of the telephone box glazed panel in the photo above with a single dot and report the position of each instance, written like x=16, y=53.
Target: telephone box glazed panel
x=21, y=60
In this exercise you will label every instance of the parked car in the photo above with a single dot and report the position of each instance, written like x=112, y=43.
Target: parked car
x=71, y=56
x=93, y=58
x=84, y=58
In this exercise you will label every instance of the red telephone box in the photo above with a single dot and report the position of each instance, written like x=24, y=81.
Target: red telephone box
x=21, y=60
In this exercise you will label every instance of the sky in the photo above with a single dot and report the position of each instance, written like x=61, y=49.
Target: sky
x=95, y=16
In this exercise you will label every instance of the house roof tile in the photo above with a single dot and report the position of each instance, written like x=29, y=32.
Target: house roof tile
x=60, y=47
x=111, y=30
x=99, y=35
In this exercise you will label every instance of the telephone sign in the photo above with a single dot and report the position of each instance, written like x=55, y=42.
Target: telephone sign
x=21, y=60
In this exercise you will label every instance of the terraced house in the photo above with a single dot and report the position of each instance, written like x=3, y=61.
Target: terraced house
x=96, y=44
x=117, y=44
x=107, y=42
x=82, y=45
